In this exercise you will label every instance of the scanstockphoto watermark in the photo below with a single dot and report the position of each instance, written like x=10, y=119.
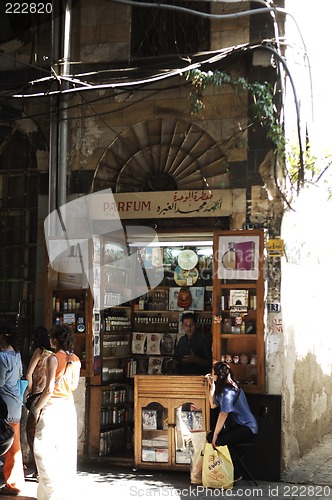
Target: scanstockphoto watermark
x=194, y=492
x=276, y=491
x=78, y=233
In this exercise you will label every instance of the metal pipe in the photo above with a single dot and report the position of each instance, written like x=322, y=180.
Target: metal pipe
x=63, y=114
x=53, y=147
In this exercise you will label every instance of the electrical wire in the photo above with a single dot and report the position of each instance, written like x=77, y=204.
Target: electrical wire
x=134, y=83
x=197, y=12
x=269, y=8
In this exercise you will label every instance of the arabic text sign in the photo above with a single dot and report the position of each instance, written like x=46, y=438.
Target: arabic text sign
x=275, y=247
x=166, y=204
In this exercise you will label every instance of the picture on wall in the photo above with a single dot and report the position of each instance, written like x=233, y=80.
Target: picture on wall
x=238, y=257
x=196, y=299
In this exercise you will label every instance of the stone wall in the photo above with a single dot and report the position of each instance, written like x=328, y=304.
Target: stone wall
x=303, y=357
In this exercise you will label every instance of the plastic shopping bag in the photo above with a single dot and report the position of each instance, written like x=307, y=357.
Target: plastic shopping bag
x=22, y=385
x=218, y=470
x=198, y=440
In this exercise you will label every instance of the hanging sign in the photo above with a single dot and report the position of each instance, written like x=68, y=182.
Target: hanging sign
x=275, y=247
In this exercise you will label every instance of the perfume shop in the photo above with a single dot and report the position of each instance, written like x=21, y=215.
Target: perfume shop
x=172, y=260
x=137, y=412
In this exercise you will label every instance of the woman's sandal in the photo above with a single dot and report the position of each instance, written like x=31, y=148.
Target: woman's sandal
x=5, y=490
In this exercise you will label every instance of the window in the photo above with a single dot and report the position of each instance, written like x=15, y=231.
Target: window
x=157, y=32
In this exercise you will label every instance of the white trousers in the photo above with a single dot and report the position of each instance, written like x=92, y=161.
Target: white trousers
x=55, y=450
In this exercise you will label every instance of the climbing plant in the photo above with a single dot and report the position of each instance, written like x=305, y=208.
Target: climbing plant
x=309, y=170
x=262, y=100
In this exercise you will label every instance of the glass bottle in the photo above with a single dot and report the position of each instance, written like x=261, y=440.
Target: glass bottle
x=229, y=257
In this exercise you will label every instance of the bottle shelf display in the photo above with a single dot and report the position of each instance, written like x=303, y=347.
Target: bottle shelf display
x=71, y=306
x=137, y=332
x=156, y=333
x=114, y=433
x=238, y=306
x=116, y=343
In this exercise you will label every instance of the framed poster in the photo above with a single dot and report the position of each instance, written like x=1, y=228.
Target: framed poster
x=238, y=257
x=197, y=299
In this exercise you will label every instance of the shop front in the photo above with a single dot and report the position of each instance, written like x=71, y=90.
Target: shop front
x=174, y=252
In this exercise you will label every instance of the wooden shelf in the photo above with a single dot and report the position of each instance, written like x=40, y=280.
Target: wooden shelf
x=234, y=344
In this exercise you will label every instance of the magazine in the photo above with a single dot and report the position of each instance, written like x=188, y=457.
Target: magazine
x=155, y=365
x=153, y=343
x=149, y=419
x=138, y=343
x=142, y=365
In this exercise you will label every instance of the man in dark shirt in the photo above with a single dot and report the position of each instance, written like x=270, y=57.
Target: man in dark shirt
x=192, y=353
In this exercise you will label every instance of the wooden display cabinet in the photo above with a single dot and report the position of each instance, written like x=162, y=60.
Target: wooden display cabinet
x=168, y=409
x=238, y=306
x=73, y=306
x=110, y=433
x=114, y=309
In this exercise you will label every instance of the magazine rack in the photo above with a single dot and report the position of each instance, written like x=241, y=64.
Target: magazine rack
x=168, y=410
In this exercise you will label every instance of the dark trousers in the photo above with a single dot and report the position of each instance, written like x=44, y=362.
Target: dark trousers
x=30, y=431
x=235, y=435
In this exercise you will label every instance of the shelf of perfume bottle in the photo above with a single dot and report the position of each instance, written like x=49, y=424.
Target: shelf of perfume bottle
x=228, y=311
x=237, y=335
x=238, y=284
x=168, y=311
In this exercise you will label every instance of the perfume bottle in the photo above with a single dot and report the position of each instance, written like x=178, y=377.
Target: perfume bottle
x=229, y=257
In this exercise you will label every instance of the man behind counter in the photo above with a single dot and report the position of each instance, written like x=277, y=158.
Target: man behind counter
x=193, y=355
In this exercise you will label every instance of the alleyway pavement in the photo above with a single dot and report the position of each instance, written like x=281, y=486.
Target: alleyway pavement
x=310, y=478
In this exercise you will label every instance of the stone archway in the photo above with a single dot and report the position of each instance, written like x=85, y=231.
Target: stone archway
x=163, y=154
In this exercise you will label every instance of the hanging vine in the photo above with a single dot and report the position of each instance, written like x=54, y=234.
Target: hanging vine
x=262, y=95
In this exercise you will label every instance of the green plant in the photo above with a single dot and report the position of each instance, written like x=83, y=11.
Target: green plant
x=309, y=170
x=262, y=100
x=315, y=168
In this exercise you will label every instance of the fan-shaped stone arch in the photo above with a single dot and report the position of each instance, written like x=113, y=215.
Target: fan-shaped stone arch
x=162, y=155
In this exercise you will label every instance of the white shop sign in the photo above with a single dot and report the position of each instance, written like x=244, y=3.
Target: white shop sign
x=165, y=204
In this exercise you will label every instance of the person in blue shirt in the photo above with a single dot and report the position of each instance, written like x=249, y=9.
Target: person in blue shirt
x=235, y=422
x=10, y=373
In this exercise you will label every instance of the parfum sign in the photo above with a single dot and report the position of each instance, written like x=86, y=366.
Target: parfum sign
x=166, y=204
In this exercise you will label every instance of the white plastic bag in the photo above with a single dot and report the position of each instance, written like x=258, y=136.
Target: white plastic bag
x=198, y=440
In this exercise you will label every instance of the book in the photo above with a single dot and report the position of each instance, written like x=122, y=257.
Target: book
x=238, y=298
x=193, y=420
x=197, y=421
x=142, y=365
x=161, y=454
x=149, y=419
x=148, y=455
x=138, y=343
x=153, y=343
x=155, y=365
x=167, y=343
